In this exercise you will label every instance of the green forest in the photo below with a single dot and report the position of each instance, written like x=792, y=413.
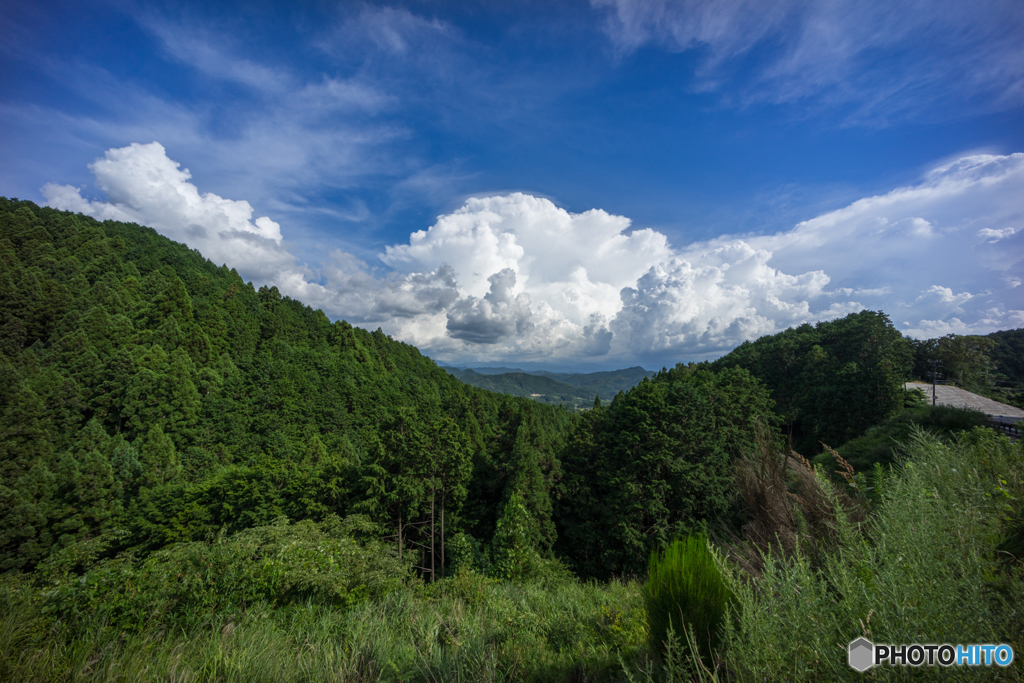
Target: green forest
x=202, y=480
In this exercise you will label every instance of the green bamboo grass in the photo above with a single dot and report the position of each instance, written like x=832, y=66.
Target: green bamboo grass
x=466, y=628
x=685, y=591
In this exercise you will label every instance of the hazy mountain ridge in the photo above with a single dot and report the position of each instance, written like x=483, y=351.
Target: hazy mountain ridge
x=569, y=389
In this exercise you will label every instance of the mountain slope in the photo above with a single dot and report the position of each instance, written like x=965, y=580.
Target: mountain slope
x=569, y=389
x=145, y=389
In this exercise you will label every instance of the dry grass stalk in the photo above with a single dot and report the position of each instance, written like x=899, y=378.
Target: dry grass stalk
x=843, y=468
x=790, y=505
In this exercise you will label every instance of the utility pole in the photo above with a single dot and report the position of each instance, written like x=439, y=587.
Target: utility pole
x=935, y=371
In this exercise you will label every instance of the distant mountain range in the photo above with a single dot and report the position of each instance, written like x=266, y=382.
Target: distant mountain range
x=573, y=390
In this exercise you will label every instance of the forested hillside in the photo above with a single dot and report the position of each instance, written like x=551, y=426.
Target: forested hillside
x=153, y=398
x=148, y=392
x=542, y=389
x=656, y=463
x=830, y=381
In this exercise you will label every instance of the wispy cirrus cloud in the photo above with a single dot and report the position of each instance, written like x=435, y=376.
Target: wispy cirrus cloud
x=209, y=53
x=395, y=30
x=880, y=61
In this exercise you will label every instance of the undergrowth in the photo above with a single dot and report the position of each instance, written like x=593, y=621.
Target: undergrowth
x=929, y=564
x=465, y=628
x=922, y=569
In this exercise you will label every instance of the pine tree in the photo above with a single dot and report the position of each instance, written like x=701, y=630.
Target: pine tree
x=109, y=392
x=316, y=452
x=88, y=499
x=25, y=510
x=158, y=456
x=125, y=463
x=172, y=300
x=216, y=331
x=527, y=480
x=164, y=396
x=513, y=555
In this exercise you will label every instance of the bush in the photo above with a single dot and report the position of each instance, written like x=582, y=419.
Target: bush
x=277, y=565
x=465, y=554
x=685, y=589
x=879, y=443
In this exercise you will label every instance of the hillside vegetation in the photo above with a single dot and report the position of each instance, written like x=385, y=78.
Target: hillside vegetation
x=202, y=481
x=830, y=381
x=152, y=398
x=155, y=398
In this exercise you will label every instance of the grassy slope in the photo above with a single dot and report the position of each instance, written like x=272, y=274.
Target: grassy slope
x=881, y=442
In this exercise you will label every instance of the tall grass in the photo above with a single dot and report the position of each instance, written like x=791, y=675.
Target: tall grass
x=465, y=628
x=923, y=571
x=685, y=593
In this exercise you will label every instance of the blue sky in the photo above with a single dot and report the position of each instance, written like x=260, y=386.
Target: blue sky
x=576, y=184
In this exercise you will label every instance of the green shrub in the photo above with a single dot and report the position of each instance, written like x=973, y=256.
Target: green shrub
x=465, y=554
x=277, y=565
x=685, y=589
x=879, y=443
x=513, y=556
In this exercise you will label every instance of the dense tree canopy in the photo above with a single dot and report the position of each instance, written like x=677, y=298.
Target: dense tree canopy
x=833, y=380
x=655, y=464
x=144, y=389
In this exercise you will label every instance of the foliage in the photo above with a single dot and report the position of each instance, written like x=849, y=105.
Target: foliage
x=1007, y=356
x=145, y=389
x=922, y=570
x=879, y=443
x=197, y=476
x=989, y=365
x=964, y=360
x=685, y=592
x=465, y=555
x=654, y=465
x=831, y=381
x=276, y=565
x=464, y=628
x=513, y=555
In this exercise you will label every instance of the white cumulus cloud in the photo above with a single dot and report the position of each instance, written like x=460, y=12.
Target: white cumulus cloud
x=516, y=277
x=144, y=186
x=713, y=302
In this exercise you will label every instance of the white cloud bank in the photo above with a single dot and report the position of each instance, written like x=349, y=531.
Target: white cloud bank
x=516, y=277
